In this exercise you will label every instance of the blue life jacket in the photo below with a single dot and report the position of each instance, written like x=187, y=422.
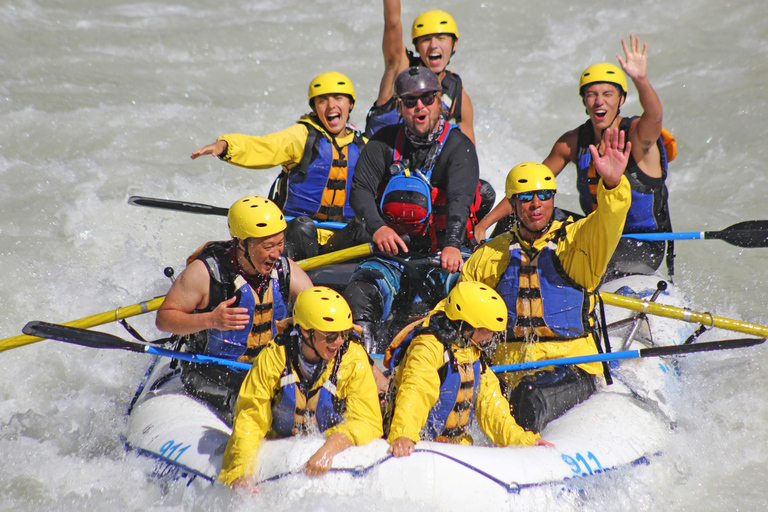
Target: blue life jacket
x=225, y=282
x=300, y=190
x=297, y=407
x=449, y=408
x=565, y=304
x=649, y=210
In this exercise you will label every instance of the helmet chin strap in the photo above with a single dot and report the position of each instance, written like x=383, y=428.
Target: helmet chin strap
x=247, y=255
x=305, y=341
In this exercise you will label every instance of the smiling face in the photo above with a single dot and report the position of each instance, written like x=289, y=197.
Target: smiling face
x=333, y=111
x=326, y=349
x=264, y=253
x=602, y=101
x=534, y=215
x=435, y=51
x=421, y=119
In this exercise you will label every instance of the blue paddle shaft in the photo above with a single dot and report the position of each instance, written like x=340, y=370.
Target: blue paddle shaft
x=196, y=358
x=532, y=365
x=691, y=235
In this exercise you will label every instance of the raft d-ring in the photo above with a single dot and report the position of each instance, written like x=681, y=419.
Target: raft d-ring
x=711, y=322
x=359, y=471
x=513, y=488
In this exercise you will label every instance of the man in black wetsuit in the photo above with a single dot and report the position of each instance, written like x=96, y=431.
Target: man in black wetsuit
x=418, y=178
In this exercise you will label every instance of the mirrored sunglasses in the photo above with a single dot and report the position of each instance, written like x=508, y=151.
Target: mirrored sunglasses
x=543, y=195
x=426, y=99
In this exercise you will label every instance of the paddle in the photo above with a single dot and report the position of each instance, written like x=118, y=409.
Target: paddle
x=357, y=251
x=89, y=321
x=683, y=314
x=95, y=339
x=749, y=234
x=206, y=209
x=633, y=354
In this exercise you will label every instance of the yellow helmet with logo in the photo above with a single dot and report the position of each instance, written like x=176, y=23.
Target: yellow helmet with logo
x=433, y=22
x=255, y=217
x=331, y=83
x=603, y=72
x=477, y=304
x=529, y=177
x=323, y=309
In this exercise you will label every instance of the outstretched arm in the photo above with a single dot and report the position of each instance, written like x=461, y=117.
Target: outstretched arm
x=648, y=128
x=611, y=165
x=395, y=59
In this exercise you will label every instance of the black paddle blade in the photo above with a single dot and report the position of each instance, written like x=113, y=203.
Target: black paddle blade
x=749, y=234
x=84, y=337
x=179, y=206
x=700, y=347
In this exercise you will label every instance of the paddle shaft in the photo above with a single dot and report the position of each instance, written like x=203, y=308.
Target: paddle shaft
x=632, y=354
x=89, y=321
x=206, y=209
x=686, y=315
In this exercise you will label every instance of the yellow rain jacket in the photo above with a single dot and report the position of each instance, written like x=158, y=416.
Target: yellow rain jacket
x=253, y=413
x=584, y=253
x=418, y=388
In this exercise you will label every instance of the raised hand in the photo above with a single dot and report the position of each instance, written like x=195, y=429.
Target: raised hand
x=612, y=163
x=635, y=65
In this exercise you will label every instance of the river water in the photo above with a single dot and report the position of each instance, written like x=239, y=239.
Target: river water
x=101, y=100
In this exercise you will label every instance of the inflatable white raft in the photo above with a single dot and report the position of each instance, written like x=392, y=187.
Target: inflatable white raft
x=623, y=424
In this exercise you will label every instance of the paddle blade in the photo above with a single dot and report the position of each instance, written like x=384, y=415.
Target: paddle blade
x=93, y=339
x=179, y=206
x=700, y=347
x=749, y=234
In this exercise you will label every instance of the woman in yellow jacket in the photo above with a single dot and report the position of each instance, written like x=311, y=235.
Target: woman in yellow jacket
x=443, y=380
x=310, y=378
x=547, y=271
x=318, y=155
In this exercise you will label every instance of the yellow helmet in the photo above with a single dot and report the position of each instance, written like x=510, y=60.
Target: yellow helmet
x=255, y=217
x=477, y=304
x=603, y=72
x=323, y=309
x=331, y=83
x=529, y=177
x=433, y=22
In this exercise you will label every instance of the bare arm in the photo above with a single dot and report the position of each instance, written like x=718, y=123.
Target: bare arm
x=467, y=117
x=321, y=461
x=395, y=59
x=190, y=292
x=645, y=131
x=501, y=210
x=563, y=152
x=300, y=281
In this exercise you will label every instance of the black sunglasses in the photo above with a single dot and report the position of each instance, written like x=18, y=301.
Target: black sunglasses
x=543, y=195
x=426, y=99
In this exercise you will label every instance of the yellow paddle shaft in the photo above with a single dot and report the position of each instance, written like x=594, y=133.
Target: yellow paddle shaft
x=89, y=321
x=687, y=315
x=357, y=251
